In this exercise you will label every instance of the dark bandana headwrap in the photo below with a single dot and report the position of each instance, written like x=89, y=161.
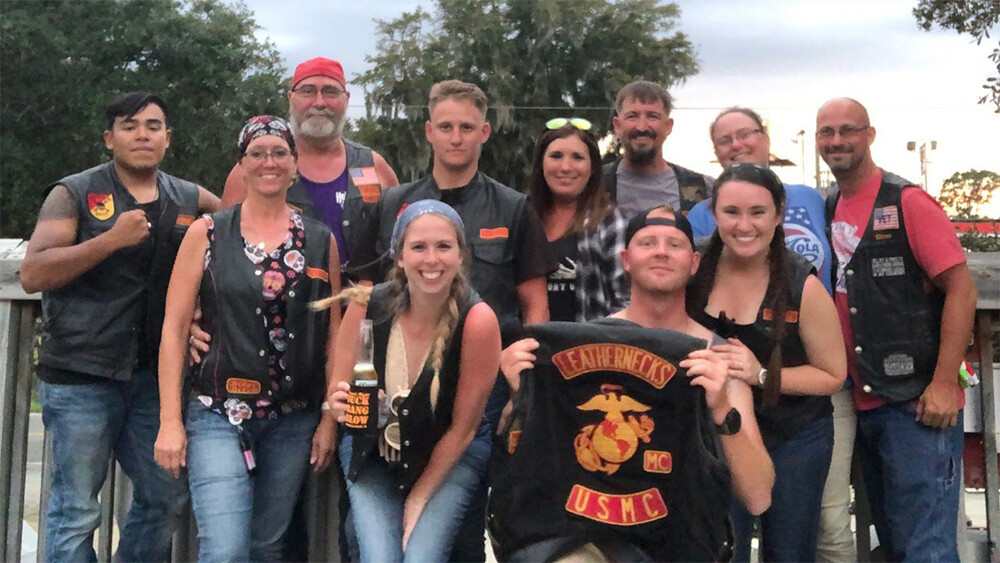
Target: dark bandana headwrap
x=261, y=125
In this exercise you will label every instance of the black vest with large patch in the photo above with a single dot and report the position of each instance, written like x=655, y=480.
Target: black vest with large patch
x=359, y=207
x=420, y=428
x=232, y=303
x=92, y=324
x=895, y=311
x=610, y=441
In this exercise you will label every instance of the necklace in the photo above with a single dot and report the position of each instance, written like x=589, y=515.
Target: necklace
x=257, y=234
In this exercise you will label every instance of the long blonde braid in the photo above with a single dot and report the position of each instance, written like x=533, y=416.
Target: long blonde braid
x=357, y=293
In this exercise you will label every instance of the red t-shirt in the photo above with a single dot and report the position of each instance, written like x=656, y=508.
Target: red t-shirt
x=932, y=239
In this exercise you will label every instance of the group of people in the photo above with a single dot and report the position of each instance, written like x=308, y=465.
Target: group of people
x=208, y=345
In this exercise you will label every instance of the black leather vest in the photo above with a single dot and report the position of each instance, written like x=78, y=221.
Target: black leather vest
x=92, y=325
x=420, y=428
x=610, y=441
x=690, y=184
x=793, y=412
x=895, y=311
x=358, y=207
x=232, y=303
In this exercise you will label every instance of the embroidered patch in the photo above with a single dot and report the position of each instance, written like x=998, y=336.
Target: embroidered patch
x=898, y=364
x=790, y=316
x=587, y=358
x=512, y=440
x=370, y=193
x=495, y=232
x=883, y=236
x=101, y=206
x=888, y=266
x=185, y=220
x=886, y=218
x=613, y=441
x=365, y=176
x=654, y=461
x=318, y=274
x=239, y=386
x=618, y=510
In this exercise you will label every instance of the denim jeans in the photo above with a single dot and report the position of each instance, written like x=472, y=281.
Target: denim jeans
x=913, y=476
x=789, y=527
x=89, y=423
x=377, y=505
x=243, y=516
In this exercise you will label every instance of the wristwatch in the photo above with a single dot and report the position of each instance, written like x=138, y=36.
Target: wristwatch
x=731, y=424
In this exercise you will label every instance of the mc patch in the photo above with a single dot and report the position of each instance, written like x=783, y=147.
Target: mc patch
x=101, y=206
x=898, y=364
x=618, y=510
x=495, y=232
x=888, y=266
x=240, y=386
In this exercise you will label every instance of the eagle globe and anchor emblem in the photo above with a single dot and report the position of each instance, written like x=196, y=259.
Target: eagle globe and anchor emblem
x=613, y=441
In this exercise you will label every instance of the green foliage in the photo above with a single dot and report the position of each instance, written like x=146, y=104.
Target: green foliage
x=63, y=60
x=534, y=59
x=979, y=242
x=965, y=194
x=972, y=17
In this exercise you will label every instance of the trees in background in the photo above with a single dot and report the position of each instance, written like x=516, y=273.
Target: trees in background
x=534, y=59
x=63, y=60
x=966, y=195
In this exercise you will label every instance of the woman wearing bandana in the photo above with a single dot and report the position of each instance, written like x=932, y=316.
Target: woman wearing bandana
x=254, y=422
x=436, y=353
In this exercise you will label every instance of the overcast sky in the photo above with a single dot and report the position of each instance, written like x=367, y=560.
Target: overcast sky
x=781, y=57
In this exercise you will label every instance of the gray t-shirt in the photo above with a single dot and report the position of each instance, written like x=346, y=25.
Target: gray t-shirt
x=638, y=192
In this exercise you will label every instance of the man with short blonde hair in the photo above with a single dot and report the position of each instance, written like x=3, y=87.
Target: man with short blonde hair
x=457, y=90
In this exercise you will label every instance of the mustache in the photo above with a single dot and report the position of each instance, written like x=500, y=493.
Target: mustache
x=836, y=148
x=637, y=134
x=325, y=112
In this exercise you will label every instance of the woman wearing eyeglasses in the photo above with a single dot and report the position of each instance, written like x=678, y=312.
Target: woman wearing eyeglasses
x=254, y=422
x=784, y=340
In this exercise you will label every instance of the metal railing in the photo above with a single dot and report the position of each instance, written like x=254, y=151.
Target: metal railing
x=18, y=312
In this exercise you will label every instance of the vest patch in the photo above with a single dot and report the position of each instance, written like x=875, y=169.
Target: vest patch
x=318, y=274
x=588, y=358
x=886, y=218
x=888, y=266
x=495, y=232
x=512, y=439
x=185, y=220
x=613, y=441
x=898, y=364
x=790, y=316
x=654, y=461
x=101, y=206
x=240, y=386
x=618, y=510
x=367, y=182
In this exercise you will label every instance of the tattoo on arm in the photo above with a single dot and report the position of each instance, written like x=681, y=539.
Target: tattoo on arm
x=60, y=204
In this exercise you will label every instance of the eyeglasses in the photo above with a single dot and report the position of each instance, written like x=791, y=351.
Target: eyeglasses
x=844, y=131
x=328, y=92
x=741, y=135
x=578, y=122
x=277, y=154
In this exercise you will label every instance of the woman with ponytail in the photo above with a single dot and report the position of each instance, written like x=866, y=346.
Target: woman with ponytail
x=436, y=353
x=784, y=341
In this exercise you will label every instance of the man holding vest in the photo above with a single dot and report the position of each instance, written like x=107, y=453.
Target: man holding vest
x=643, y=178
x=906, y=301
x=339, y=180
x=101, y=253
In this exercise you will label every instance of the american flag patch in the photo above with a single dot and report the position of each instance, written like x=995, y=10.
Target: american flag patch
x=886, y=218
x=365, y=176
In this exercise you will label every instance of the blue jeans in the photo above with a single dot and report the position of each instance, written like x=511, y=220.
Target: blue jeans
x=88, y=423
x=243, y=516
x=913, y=476
x=790, y=526
x=377, y=505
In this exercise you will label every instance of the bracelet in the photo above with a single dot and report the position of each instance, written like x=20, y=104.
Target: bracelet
x=762, y=376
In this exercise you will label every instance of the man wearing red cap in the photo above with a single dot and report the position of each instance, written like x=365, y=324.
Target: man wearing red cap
x=339, y=181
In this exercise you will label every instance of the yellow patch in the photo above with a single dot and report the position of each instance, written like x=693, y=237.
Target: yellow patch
x=101, y=206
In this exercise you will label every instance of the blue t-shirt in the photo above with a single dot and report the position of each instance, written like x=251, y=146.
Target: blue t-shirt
x=328, y=199
x=805, y=232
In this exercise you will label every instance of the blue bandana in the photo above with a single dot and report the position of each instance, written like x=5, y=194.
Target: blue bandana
x=423, y=207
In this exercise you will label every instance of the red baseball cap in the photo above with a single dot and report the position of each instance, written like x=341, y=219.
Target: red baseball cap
x=320, y=66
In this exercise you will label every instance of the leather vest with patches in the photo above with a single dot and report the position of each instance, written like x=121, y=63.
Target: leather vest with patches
x=359, y=206
x=895, y=311
x=610, y=442
x=232, y=303
x=93, y=324
x=420, y=428
x=690, y=185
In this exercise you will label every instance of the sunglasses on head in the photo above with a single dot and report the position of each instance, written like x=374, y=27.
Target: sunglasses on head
x=578, y=122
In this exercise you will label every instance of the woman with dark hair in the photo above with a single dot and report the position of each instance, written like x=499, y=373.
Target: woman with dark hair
x=436, y=355
x=253, y=423
x=584, y=228
x=784, y=341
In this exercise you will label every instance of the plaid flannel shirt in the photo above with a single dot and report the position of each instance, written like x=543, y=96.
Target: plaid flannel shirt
x=602, y=287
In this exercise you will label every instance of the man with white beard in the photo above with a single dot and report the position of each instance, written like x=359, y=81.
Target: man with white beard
x=339, y=181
